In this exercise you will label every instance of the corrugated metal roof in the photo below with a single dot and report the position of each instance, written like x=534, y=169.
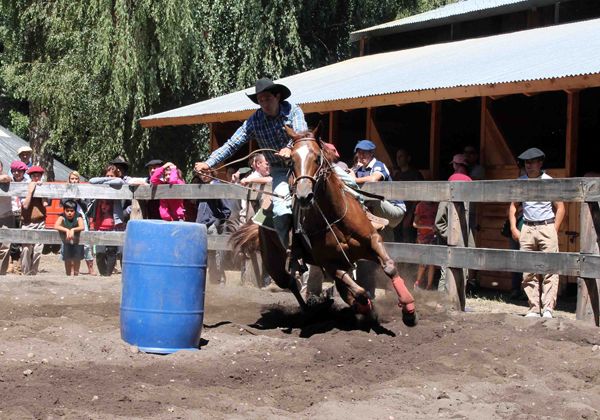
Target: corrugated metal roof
x=546, y=53
x=10, y=143
x=451, y=13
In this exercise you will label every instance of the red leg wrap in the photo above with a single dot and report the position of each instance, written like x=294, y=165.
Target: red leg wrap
x=405, y=299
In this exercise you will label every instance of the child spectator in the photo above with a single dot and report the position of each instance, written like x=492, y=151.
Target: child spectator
x=108, y=216
x=424, y=221
x=171, y=209
x=104, y=221
x=83, y=206
x=33, y=217
x=70, y=223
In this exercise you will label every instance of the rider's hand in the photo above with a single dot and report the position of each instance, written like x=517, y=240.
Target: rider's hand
x=201, y=167
x=286, y=152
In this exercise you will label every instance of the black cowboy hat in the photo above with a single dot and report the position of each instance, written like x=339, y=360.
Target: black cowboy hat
x=266, y=85
x=120, y=161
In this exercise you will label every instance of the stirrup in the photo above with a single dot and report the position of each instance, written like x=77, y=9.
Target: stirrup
x=378, y=222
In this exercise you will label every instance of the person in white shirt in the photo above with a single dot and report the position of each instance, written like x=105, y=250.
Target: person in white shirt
x=539, y=233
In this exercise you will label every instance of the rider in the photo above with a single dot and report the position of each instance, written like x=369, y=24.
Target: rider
x=266, y=126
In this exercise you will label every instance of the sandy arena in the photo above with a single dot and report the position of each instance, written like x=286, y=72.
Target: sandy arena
x=61, y=355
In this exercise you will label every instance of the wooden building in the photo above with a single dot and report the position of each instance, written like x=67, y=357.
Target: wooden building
x=501, y=75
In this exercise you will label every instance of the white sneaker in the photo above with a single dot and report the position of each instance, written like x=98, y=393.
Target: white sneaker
x=547, y=314
x=532, y=315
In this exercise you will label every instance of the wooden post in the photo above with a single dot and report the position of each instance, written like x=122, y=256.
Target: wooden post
x=572, y=133
x=434, y=140
x=588, y=302
x=333, y=128
x=458, y=234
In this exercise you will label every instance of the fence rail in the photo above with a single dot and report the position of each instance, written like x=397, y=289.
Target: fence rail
x=457, y=255
x=499, y=191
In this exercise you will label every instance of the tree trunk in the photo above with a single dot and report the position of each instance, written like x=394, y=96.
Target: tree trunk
x=39, y=133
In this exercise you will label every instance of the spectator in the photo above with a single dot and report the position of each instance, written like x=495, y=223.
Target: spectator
x=151, y=207
x=260, y=175
x=70, y=223
x=83, y=209
x=123, y=167
x=7, y=220
x=109, y=215
x=540, y=233
x=25, y=153
x=405, y=232
x=475, y=170
x=459, y=165
x=171, y=209
x=17, y=170
x=424, y=221
x=33, y=217
x=369, y=169
x=213, y=213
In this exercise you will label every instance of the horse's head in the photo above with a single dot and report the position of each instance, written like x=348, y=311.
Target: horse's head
x=308, y=162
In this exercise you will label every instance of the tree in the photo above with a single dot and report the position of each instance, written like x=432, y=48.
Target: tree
x=85, y=72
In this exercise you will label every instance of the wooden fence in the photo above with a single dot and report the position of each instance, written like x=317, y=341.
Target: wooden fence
x=457, y=255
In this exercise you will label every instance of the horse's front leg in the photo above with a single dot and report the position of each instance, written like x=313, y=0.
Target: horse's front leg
x=406, y=301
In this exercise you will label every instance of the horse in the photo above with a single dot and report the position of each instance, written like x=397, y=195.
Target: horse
x=330, y=227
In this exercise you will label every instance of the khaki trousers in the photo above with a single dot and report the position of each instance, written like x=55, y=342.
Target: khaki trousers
x=540, y=238
x=31, y=253
x=5, y=222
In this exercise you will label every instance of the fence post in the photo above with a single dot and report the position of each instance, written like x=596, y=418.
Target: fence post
x=588, y=302
x=458, y=234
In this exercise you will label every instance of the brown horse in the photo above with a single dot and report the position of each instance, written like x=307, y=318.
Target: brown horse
x=331, y=228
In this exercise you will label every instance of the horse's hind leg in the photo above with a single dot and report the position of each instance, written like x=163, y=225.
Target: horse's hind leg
x=406, y=301
x=352, y=293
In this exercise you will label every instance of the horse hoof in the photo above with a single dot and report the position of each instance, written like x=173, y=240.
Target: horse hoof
x=363, y=308
x=410, y=319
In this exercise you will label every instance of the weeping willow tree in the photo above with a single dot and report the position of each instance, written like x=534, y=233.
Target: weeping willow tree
x=85, y=72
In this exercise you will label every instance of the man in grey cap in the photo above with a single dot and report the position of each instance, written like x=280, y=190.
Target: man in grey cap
x=539, y=233
x=369, y=169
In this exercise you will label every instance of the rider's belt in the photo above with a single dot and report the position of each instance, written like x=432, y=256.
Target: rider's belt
x=539, y=222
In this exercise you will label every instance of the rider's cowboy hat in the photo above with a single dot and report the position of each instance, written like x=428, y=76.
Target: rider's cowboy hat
x=533, y=153
x=266, y=85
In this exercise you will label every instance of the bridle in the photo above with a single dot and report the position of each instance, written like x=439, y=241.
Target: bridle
x=322, y=169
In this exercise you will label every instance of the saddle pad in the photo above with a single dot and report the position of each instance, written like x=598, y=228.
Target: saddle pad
x=264, y=218
x=377, y=222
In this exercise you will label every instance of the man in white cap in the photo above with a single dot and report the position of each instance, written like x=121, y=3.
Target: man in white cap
x=25, y=153
x=539, y=233
x=266, y=126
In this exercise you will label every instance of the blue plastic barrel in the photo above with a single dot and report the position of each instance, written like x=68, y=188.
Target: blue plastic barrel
x=162, y=299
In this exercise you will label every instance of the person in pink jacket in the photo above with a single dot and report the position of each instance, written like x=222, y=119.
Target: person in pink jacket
x=171, y=209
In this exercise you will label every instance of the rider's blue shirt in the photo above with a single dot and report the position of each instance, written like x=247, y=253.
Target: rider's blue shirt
x=267, y=131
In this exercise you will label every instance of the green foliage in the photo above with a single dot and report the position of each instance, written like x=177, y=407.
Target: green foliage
x=93, y=68
x=19, y=123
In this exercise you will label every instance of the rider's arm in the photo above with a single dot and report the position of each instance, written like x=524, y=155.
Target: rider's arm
x=239, y=138
x=298, y=122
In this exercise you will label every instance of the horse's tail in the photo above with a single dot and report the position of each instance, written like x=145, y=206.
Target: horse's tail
x=245, y=239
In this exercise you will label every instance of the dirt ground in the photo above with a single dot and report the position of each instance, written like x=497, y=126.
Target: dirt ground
x=61, y=355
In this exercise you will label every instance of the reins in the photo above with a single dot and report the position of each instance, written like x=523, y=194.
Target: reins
x=283, y=197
